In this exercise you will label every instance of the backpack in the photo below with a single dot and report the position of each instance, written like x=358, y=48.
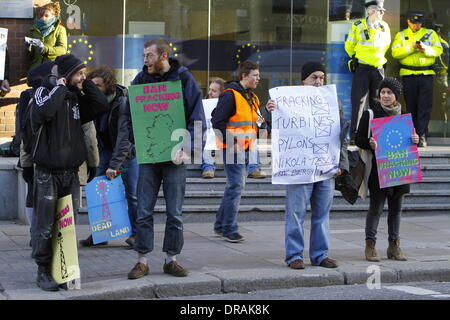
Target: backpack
x=30, y=134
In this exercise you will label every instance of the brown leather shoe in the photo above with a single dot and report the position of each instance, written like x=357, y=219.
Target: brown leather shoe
x=329, y=263
x=257, y=174
x=297, y=264
x=138, y=271
x=174, y=269
x=208, y=174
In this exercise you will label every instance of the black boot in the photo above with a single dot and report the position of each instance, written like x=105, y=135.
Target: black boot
x=89, y=242
x=45, y=280
x=422, y=141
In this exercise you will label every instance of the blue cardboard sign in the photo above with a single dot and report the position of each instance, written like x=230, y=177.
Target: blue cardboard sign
x=107, y=209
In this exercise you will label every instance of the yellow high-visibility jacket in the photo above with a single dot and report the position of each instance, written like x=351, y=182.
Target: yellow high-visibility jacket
x=402, y=50
x=369, y=44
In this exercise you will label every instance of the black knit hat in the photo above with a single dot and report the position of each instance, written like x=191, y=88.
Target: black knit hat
x=392, y=84
x=311, y=67
x=68, y=64
x=38, y=74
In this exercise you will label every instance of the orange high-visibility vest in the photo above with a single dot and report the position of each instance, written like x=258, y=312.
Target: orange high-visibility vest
x=242, y=125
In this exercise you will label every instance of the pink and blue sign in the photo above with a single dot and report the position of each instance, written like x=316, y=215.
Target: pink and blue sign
x=397, y=156
x=107, y=209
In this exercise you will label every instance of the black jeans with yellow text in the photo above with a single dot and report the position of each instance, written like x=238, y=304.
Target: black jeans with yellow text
x=49, y=186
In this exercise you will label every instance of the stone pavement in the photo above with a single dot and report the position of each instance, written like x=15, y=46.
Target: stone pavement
x=217, y=266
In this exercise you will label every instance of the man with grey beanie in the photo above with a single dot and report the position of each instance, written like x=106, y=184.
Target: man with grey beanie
x=318, y=194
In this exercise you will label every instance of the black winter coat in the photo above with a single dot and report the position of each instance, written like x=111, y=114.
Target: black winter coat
x=114, y=130
x=362, y=141
x=60, y=145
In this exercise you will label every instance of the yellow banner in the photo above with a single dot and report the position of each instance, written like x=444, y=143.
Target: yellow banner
x=65, y=265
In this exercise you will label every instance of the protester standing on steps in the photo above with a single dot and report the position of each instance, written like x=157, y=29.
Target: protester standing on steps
x=387, y=105
x=117, y=151
x=208, y=166
x=57, y=114
x=235, y=120
x=318, y=194
x=216, y=87
x=158, y=67
x=49, y=36
x=367, y=43
x=417, y=48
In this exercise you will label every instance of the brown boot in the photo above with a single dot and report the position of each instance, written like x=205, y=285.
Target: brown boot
x=371, y=252
x=394, y=252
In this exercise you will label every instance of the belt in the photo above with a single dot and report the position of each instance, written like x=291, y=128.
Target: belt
x=428, y=68
x=368, y=66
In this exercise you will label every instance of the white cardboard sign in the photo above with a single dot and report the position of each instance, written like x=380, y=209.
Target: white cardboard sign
x=208, y=107
x=305, y=134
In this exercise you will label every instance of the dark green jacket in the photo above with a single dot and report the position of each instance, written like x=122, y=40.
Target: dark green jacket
x=55, y=44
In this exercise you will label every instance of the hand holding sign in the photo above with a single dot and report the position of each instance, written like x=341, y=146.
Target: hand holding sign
x=271, y=105
x=415, y=137
x=373, y=143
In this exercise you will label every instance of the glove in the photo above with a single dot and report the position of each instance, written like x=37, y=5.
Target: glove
x=37, y=43
x=92, y=171
x=28, y=174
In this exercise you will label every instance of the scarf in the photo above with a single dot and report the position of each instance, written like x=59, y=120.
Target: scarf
x=392, y=111
x=45, y=27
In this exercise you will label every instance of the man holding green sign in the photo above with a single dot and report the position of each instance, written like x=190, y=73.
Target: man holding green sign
x=165, y=101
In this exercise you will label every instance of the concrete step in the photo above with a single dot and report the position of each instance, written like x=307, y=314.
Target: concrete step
x=206, y=185
x=277, y=197
x=435, y=170
x=206, y=213
x=264, y=197
x=428, y=170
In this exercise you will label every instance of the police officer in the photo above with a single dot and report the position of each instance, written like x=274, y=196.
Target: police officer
x=367, y=42
x=416, y=48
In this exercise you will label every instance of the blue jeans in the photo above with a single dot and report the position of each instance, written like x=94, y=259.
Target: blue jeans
x=226, y=216
x=130, y=172
x=208, y=161
x=209, y=164
x=320, y=195
x=173, y=179
x=253, y=161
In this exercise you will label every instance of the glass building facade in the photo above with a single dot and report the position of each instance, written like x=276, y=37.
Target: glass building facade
x=211, y=37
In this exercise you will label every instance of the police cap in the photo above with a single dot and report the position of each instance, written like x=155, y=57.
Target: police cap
x=376, y=4
x=416, y=16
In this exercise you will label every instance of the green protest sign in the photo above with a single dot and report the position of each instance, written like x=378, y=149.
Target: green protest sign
x=157, y=110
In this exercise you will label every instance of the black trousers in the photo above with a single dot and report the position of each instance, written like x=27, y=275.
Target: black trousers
x=48, y=188
x=418, y=92
x=366, y=80
x=377, y=200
